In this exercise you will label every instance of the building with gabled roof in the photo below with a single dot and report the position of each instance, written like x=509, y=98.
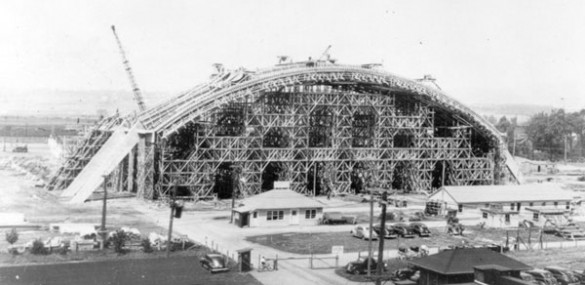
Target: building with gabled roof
x=509, y=197
x=457, y=266
x=278, y=208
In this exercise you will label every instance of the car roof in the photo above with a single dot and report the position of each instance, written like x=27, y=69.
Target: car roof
x=211, y=255
x=400, y=224
x=537, y=271
x=554, y=267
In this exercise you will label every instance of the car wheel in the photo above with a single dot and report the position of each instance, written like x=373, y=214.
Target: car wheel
x=355, y=272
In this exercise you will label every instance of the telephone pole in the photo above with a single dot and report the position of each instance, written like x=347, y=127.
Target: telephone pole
x=380, y=268
x=173, y=194
x=103, y=226
x=371, y=225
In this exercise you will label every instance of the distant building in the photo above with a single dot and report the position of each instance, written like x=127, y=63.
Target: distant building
x=278, y=208
x=537, y=167
x=458, y=266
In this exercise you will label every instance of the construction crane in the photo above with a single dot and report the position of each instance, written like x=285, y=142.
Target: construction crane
x=325, y=53
x=137, y=93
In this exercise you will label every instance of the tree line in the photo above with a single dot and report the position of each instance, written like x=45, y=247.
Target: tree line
x=554, y=135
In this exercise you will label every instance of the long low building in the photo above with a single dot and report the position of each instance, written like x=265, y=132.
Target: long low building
x=509, y=197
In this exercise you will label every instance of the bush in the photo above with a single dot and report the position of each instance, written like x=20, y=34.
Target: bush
x=12, y=236
x=13, y=251
x=38, y=248
x=146, y=246
x=119, y=239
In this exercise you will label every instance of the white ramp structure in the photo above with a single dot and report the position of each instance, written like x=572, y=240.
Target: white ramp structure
x=513, y=167
x=115, y=149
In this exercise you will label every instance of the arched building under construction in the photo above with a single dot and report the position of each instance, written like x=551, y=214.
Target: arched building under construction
x=320, y=125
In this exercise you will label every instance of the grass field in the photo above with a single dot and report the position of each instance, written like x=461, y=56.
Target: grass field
x=571, y=257
x=320, y=243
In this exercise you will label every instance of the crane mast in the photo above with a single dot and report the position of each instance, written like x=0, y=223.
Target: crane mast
x=137, y=93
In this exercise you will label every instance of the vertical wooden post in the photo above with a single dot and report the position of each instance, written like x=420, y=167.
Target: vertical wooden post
x=380, y=268
x=103, y=226
x=170, y=235
x=371, y=225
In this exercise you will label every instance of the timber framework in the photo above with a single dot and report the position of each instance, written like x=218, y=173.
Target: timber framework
x=323, y=126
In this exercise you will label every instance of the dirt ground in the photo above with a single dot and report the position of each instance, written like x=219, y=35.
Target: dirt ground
x=18, y=176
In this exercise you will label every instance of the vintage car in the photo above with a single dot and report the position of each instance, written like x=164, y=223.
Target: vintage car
x=543, y=276
x=420, y=229
x=363, y=232
x=388, y=233
x=214, y=263
x=563, y=275
x=570, y=232
x=332, y=218
x=403, y=230
x=529, y=278
x=360, y=266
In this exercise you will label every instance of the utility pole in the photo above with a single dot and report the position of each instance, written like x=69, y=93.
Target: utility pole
x=371, y=225
x=565, y=147
x=314, y=178
x=173, y=194
x=380, y=267
x=103, y=227
x=236, y=172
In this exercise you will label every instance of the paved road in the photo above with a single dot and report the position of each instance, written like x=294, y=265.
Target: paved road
x=156, y=271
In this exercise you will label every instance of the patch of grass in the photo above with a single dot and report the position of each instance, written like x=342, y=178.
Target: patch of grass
x=320, y=243
x=569, y=257
x=95, y=255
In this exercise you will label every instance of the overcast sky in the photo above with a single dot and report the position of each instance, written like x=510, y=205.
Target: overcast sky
x=480, y=51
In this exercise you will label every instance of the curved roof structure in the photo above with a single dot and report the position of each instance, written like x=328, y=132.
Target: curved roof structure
x=168, y=117
x=303, y=122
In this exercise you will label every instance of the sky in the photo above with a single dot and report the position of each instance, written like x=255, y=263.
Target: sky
x=518, y=52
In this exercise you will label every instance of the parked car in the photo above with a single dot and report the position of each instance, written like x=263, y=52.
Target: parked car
x=529, y=278
x=563, y=275
x=570, y=232
x=406, y=273
x=360, y=266
x=580, y=276
x=363, y=232
x=420, y=229
x=388, y=233
x=543, y=276
x=333, y=218
x=214, y=263
x=403, y=230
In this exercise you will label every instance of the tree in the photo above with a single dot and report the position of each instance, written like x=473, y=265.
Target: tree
x=12, y=236
x=576, y=123
x=547, y=132
x=119, y=239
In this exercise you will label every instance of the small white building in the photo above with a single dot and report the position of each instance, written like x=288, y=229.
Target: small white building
x=278, y=208
x=506, y=197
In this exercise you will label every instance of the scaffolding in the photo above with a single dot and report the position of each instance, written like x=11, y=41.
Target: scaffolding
x=322, y=126
x=294, y=133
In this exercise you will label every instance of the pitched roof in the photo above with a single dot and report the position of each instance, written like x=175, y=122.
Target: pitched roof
x=278, y=199
x=505, y=193
x=462, y=261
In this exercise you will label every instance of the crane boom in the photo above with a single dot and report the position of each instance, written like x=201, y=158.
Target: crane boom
x=137, y=93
